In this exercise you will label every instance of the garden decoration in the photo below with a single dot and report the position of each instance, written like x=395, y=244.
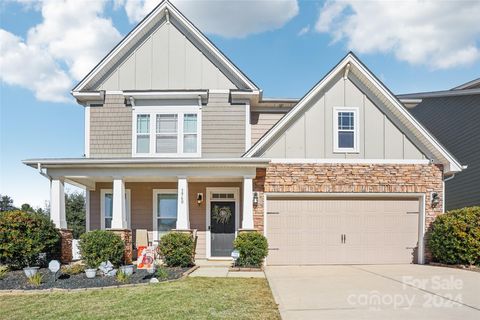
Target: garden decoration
x=222, y=215
x=127, y=269
x=54, y=267
x=107, y=269
x=146, y=258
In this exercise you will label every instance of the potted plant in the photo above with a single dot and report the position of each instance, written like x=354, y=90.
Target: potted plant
x=90, y=272
x=127, y=269
x=30, y=271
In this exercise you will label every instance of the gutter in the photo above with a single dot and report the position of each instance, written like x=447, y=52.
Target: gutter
x=39, y=166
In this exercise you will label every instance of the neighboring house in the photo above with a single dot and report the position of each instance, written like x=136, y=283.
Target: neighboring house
x=453, y=117
x=175, y=134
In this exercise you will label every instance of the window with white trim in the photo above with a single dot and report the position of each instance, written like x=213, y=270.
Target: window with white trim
x=165, y=211
x=163, y=132
x=345, y=124
x=107, y=208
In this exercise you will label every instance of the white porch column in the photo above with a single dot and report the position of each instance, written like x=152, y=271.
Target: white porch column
x=183, y=220
x=247, y=221
x=57, y=203
x=119, y=212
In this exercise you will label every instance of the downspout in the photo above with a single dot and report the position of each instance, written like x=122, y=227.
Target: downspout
x=132, y=102
x=443, y=190
x=39, y=166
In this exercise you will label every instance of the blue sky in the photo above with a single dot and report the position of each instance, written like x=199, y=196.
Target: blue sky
x=415, y=47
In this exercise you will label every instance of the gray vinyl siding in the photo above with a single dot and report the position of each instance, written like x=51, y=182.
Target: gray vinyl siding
x=223, y=128
x=111, y=129
x=310, y=134
x=166, y=60
x=455, y=122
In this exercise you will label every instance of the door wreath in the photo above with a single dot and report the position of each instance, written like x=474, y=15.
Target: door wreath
x=221, y=214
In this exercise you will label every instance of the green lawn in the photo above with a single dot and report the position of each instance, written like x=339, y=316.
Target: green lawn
x=191, y=298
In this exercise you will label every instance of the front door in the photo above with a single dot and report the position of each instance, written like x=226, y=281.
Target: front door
x=222, y=228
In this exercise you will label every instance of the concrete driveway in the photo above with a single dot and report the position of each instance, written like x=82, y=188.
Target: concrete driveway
x=375, y=292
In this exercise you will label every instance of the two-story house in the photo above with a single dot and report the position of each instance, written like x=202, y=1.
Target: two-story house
x=178, y=138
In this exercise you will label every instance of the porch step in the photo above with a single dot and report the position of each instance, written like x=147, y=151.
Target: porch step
x=213, y=263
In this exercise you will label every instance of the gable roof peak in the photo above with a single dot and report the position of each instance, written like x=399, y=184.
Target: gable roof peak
x=164, y=10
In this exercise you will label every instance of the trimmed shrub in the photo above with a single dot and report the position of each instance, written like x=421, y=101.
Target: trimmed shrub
x=253, y=248
x=23, y=236
x=177, y=249
x=455, y=237
x=99, y=246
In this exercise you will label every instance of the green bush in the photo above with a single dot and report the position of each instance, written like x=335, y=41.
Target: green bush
x=99, y=246
x=455, y=237
x=161, y=274
x=177, y=249
x=23, y=236
x=253, y=248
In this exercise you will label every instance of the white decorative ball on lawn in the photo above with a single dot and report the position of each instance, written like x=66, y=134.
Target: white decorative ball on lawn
x=54, y=266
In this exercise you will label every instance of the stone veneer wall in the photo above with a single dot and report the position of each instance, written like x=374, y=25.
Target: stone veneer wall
x=361, y=178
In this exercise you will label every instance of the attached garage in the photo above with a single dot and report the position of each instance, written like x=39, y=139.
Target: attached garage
x=366, y=230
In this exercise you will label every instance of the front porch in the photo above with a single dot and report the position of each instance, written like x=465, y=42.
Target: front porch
x=159, y=196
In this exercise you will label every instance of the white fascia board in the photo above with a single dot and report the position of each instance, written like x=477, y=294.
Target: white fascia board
x=350, y=161
x=297, y=108
x=89, y=96
x=204, y=40
x=150, y=162
x=451, y=166
x=160, y=9
x=192, y=95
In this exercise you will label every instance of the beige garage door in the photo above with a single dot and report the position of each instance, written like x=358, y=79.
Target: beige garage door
x=342, y=231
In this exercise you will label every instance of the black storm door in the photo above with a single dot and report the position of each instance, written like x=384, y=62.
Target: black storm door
x=222, y=228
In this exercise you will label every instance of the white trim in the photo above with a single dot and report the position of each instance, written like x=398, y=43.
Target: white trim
x=248, y=127
x=153, y=111
x=138, y=31
x=352, y=161
x=236, y=199
x=57, y=202
x=128, y=205
x=356, y=131
x=450, y=162
x=87, y=131
x=167, y=95
x=156, y=192
x=87, y=209
x=420, y=196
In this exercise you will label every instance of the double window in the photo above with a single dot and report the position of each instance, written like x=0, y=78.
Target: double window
x=164, y=211
x=345, y=124
x=161, y=132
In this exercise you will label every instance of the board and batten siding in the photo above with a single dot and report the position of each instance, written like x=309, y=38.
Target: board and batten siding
x=166, y=59
x=111, y=129
x=223, y=128
x=310, y=134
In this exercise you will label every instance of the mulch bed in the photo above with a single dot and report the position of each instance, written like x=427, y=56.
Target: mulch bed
x=456, y=266
x=16, y=280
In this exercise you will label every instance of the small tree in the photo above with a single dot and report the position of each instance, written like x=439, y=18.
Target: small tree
x=23, y=236
x=27, y=208
x=6, y=203
x=75, y=213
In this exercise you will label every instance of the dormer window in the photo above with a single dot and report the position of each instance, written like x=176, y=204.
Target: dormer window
x=166, y=131
x=345, y=127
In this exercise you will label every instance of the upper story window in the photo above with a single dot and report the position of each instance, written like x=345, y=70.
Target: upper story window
x=166, y=132
x=345, y=125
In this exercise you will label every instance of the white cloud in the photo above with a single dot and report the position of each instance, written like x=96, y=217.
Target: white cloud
x=32, y=68
x=439, y=34
x=304, y=30
x=72, y=37
x=231, y=19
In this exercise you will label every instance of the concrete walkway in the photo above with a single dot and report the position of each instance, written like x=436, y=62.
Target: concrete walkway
x=375, y=292
x=224, y=272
